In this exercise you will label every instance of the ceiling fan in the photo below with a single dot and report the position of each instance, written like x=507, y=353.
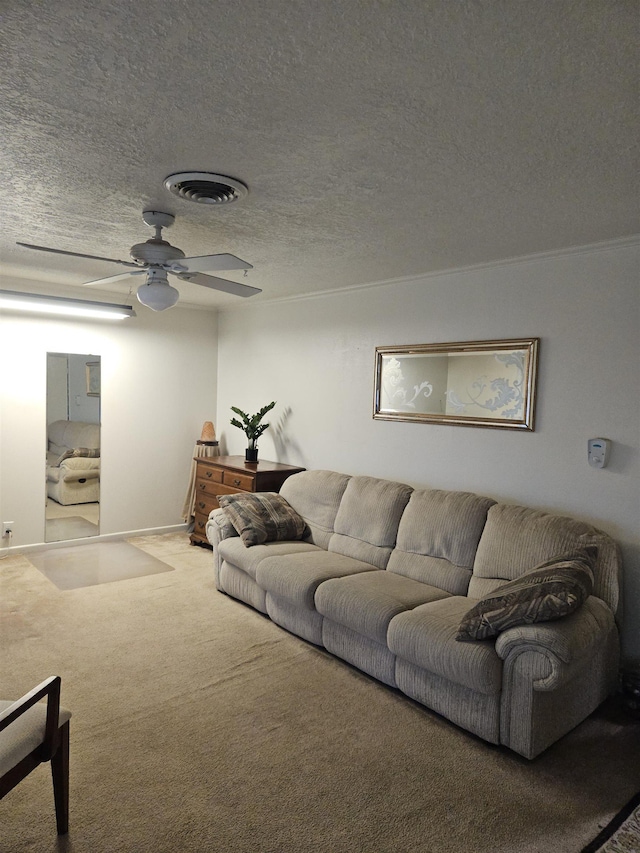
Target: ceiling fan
x=156, y=258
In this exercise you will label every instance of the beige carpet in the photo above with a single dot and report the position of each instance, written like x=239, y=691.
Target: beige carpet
x=71, y=527
x=89, y=511
x=622, y=834
x=201, y=727
x=75, y=521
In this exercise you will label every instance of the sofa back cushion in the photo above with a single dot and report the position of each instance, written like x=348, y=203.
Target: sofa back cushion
x=316, y=496
x=366, y=525
x=67, y=435
x=516, y=539
x=438, y=536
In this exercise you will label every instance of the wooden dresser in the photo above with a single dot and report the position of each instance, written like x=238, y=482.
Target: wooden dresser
x=227, y=475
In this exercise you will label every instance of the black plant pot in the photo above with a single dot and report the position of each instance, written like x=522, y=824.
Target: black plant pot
x=251, y=454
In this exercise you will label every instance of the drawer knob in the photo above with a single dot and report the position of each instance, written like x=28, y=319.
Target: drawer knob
x=201, y=504
x=209, y=473
x=236, y=482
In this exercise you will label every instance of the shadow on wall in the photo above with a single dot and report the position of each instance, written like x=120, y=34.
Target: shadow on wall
x=283, y=444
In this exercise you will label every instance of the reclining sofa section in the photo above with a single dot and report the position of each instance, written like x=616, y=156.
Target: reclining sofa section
x=386, y=575
x=73, y=462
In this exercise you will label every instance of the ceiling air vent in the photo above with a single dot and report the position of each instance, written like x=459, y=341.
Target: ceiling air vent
x=205, y=187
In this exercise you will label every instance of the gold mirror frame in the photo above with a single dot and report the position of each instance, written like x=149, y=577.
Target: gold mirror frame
x=472, y=383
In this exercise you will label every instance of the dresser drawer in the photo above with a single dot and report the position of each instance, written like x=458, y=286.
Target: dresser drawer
x=239, y=481
x=212, y=474
x=207, y=487
x=205, y=504
x=200, y=525
x=206, y=491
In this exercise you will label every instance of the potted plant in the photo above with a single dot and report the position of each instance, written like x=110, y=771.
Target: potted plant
x=252, y=428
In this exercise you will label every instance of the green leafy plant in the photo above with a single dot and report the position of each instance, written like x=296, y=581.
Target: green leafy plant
x=250, y=424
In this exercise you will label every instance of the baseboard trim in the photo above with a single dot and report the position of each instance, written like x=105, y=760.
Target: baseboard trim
x=17, y=550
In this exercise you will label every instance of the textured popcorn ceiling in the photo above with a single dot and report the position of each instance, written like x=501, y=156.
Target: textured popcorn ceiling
x=379, y=138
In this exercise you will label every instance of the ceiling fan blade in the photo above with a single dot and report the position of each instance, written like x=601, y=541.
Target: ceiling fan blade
x=216, y=283
x=111, y=278
x=77, y=254
x=214, y=262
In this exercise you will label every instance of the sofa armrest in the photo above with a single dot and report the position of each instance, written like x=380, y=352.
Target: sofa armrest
x=219, y=527
x=565, y=644
x=74, y=469
x=80, y=462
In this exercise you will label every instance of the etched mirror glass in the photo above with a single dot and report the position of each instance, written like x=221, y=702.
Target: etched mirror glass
x=475, y=383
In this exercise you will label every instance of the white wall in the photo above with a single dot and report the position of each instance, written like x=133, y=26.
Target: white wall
x=58, y=387
x=315, y=356
x=158, y=388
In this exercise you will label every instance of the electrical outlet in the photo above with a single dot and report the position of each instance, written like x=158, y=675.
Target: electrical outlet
x=7, y=529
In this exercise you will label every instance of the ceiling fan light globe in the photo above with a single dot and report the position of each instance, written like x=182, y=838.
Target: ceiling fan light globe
x=157, y=296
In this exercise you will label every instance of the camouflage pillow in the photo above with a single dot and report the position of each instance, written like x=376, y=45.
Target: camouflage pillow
x=263, y=517
x=552, y=590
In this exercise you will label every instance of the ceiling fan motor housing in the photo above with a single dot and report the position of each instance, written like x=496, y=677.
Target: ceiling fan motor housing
x=155, y=252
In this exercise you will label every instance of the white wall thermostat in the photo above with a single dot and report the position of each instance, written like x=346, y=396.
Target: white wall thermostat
x=598, y=450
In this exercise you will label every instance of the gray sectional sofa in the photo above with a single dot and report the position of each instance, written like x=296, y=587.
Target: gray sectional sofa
x=385, y=576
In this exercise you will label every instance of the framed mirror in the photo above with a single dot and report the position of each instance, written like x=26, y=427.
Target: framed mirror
x=72, y=470
x=474, y=383
x=92, y=375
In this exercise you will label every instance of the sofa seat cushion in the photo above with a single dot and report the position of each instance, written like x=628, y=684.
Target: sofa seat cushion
x=296, y=577
x=366, y=603
x=236, y=553
x=426, y=637
x=82, y=452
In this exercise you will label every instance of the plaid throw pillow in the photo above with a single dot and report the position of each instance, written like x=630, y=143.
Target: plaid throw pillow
x=263, y=517
x=89, y=452
x=552, y=590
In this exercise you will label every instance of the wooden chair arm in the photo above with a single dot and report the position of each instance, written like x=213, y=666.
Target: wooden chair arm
x=51, y=689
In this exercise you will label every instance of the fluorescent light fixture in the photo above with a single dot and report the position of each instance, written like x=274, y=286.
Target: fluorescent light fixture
x=61, y=305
